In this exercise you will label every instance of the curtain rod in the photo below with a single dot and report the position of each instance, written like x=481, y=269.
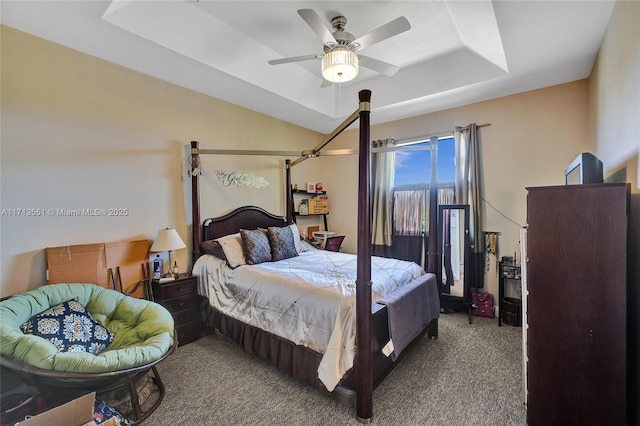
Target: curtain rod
x=477, y=125
x=442, y=134
x=423, y=138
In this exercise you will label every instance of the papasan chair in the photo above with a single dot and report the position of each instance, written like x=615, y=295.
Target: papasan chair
x=71, y=339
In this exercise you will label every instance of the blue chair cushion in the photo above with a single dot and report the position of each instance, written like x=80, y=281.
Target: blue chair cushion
x=70, y=328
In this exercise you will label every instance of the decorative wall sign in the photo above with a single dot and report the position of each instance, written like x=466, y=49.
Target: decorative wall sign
x=241, y=179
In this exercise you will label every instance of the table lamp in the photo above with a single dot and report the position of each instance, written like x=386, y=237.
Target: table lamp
x=168, y=240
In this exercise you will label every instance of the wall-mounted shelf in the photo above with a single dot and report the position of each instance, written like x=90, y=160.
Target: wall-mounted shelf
x=300, y=192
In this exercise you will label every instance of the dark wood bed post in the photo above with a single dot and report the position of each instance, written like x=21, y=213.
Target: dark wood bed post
x=195, y=199
x=364, y=372
x=288, y=194
x=432, y=250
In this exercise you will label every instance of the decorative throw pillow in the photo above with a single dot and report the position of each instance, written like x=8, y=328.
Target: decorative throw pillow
x=70, y=328
x=213, y=248
x=296, y=237
x=282, y=243
x=256, y=246
x=232, y=248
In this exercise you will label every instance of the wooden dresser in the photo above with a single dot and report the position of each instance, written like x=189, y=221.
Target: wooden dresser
x=577, y=305
x=179, y=296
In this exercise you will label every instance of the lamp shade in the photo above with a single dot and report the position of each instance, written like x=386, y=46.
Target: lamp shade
x=167, y=239
x=340, y=65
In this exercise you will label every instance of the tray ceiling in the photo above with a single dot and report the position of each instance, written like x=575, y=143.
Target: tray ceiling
x=456, y=52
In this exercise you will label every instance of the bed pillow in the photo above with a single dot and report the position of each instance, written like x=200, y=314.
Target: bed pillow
x=296, y=237
x=70, y=328
x=213, y=248
x=282, y=243
x=256, y=246
x=232, y=249
x=306, y=246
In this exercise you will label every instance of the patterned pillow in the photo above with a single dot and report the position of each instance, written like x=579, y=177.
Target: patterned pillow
x=70, y=328
x=282, y=243
x=256, y=246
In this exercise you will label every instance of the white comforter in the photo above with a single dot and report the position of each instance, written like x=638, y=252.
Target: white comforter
x=308, y=299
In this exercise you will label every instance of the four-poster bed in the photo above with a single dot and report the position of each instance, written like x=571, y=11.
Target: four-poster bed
x=305, y=359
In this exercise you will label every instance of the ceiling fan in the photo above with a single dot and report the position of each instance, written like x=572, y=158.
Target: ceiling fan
x=340, y=63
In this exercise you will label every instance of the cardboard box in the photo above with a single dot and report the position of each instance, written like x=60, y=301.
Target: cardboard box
x=127, y=258
x=120, y=264
x=82, y=263
x=78, y=412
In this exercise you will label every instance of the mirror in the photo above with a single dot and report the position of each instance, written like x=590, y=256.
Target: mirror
x=453, y=243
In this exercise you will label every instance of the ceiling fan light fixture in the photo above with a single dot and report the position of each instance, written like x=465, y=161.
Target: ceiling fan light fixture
x=340, y=65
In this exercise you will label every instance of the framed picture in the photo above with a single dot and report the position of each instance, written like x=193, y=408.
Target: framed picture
x=311, y=187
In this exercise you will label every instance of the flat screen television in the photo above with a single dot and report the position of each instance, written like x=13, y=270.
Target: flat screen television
x=586, y=168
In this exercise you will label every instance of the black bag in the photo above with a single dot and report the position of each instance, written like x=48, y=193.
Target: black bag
x=20, y=402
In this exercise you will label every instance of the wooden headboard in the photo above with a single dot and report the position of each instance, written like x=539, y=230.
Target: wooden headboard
x=246, y=217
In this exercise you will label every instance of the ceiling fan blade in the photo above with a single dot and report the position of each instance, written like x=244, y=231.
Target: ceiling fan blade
x=295, y=59
x=313, y=20
x=388, y=30
x=379, y=66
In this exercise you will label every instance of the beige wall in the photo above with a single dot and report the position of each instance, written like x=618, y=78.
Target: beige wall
x=614, y=94
x=615, y=119
x=79, y=132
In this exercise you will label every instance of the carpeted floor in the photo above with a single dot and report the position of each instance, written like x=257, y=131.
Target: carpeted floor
x=470, y=375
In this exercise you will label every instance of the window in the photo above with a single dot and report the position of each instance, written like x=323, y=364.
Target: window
x=411, y=191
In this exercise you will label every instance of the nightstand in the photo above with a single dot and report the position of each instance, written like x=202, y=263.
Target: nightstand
x=179, y=296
